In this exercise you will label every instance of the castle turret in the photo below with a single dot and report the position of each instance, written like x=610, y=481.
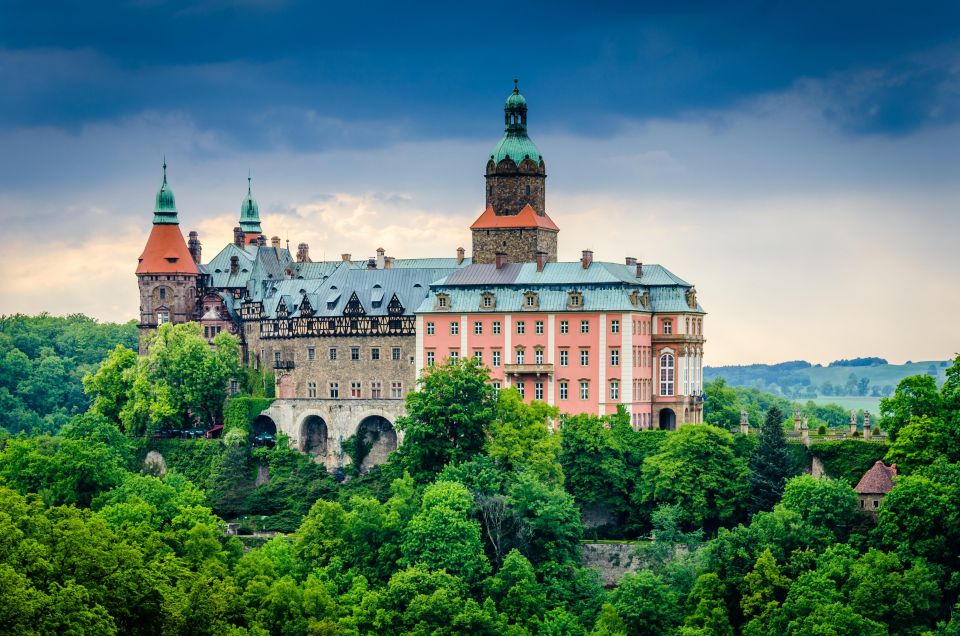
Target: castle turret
x=515, y=220
x=166, y=273
x=250, y=217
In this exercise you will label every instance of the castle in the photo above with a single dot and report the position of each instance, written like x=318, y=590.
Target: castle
x=347, y=339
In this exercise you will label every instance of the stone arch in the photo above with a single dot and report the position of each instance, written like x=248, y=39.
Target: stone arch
x=377, y=432
x=264, y=424
x=667, y=420
x=314, y=434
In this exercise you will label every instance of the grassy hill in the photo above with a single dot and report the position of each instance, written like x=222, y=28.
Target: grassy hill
x=853, y=384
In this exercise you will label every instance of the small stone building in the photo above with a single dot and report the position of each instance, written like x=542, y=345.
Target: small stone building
x=875, y=484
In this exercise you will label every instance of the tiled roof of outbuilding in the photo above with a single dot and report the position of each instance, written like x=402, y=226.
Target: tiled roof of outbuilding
x=878, y=480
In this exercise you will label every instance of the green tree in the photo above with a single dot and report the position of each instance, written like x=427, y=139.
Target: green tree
x=646, y=604
x=706, y=609
x=915, y=396
x=698, y=470
x=769, y=464
x=443, y=536
x=919, y=517
x=110, y=386
x=520, y=437
x=515, y=589
x=721, y=407
x=593, y=465
x=825, y=503
x=448, y=418
x=181, y=381
x=763, y=588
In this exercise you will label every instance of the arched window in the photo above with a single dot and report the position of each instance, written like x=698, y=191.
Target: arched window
x=666, y=374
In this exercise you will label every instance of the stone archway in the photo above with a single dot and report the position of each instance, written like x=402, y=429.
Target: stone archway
x=377, y=432
x=313, y=436
x=667, y=420
x=263, y=424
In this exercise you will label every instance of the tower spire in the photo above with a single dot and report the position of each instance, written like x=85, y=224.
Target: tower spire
x=165, y=210
x=250, y=214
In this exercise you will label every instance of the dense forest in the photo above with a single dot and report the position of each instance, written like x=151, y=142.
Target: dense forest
x=475, y=523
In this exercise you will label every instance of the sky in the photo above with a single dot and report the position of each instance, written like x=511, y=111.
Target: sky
x=798, y=162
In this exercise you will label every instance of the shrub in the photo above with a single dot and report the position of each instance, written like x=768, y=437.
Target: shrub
x=848, y=459
x=242, y=410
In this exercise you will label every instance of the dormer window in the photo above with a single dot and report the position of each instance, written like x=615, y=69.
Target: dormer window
x=488, y=301
x=443, y=301
x=574, y=300
x=531, y=300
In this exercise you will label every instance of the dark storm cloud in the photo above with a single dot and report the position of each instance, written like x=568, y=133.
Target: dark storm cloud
x=316, y=75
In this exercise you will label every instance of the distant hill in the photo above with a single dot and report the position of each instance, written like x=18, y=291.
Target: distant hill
x=857, y=383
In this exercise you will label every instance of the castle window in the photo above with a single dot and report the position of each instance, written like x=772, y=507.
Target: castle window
x=496, y=358
x=521, y=387
x=454, y=328
x=564, y=390
x=430, y=328
x=490, y=191
x=666, y=374
x=584, y=357
x=234, y=387
x=431, y=358
x=334, y=390
x=162, y=317
x=584, y=326
x=354, y=353
x=574, y=300
x=614, y=326
x=614, y=357
x=584, y=390
x=538, y=390
x=496, y=327
x=527, y=190
x=488, y=301
x=276, y=358
x=478, y=328
x=454, y=355
x=355, y=390
x=538, y=356
x=311, y=389
x=496, y=386
x=376, y=392
x=443, y=301
x=564, y=357
x=530, y=300
x=614, y=389
x=333, y=353
x=163, y=293
x=311, y=354
x=395, y=353
x=564, y=326
x=521, y=327
x=375, y=353
x=538, y=326
x=478, y=356
x=519, y=356
x=667, y=326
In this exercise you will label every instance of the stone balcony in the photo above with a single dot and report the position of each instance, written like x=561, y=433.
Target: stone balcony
x=528, y=369
x=677, y=337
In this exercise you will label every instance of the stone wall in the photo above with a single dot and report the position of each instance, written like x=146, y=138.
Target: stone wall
x=611, y=560
x=519, y=244
x=507, y=193
x=179, y=300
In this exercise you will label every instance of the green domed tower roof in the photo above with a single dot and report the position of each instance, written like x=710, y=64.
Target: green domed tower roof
x=515, y=143
x=165, y=210
x=250, y=213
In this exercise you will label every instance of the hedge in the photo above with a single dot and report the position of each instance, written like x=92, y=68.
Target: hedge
x=242, y=410
x=848, y=459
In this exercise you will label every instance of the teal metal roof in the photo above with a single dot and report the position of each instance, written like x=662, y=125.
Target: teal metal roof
x=165, y=210
x=516, y=146
x=568, y=273
x=250, y=212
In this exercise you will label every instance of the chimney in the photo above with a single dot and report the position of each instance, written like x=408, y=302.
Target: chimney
x=460, y=253
x=371, y=263
x=639, y=269
x=587, y=258
x=275, y=242
x=234, y=264
x=388, y=262
x=303, y=253
x=381, y=258
x=541, y=260
x=238, y=236
x=501, y=260
x=262, y=240
x=344, y=257
x=631, y=261
x=194, y=246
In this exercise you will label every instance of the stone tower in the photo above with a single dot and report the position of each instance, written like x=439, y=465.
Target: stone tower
x=250, y=217
x=166, y=273
x=515, y=221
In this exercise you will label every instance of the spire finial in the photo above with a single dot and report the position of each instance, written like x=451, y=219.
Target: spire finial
x=249, y=179
x=164, y=168
x=516, y=85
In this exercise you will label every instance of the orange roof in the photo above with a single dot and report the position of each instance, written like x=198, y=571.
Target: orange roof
x=527, y=218
x=166, y=252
